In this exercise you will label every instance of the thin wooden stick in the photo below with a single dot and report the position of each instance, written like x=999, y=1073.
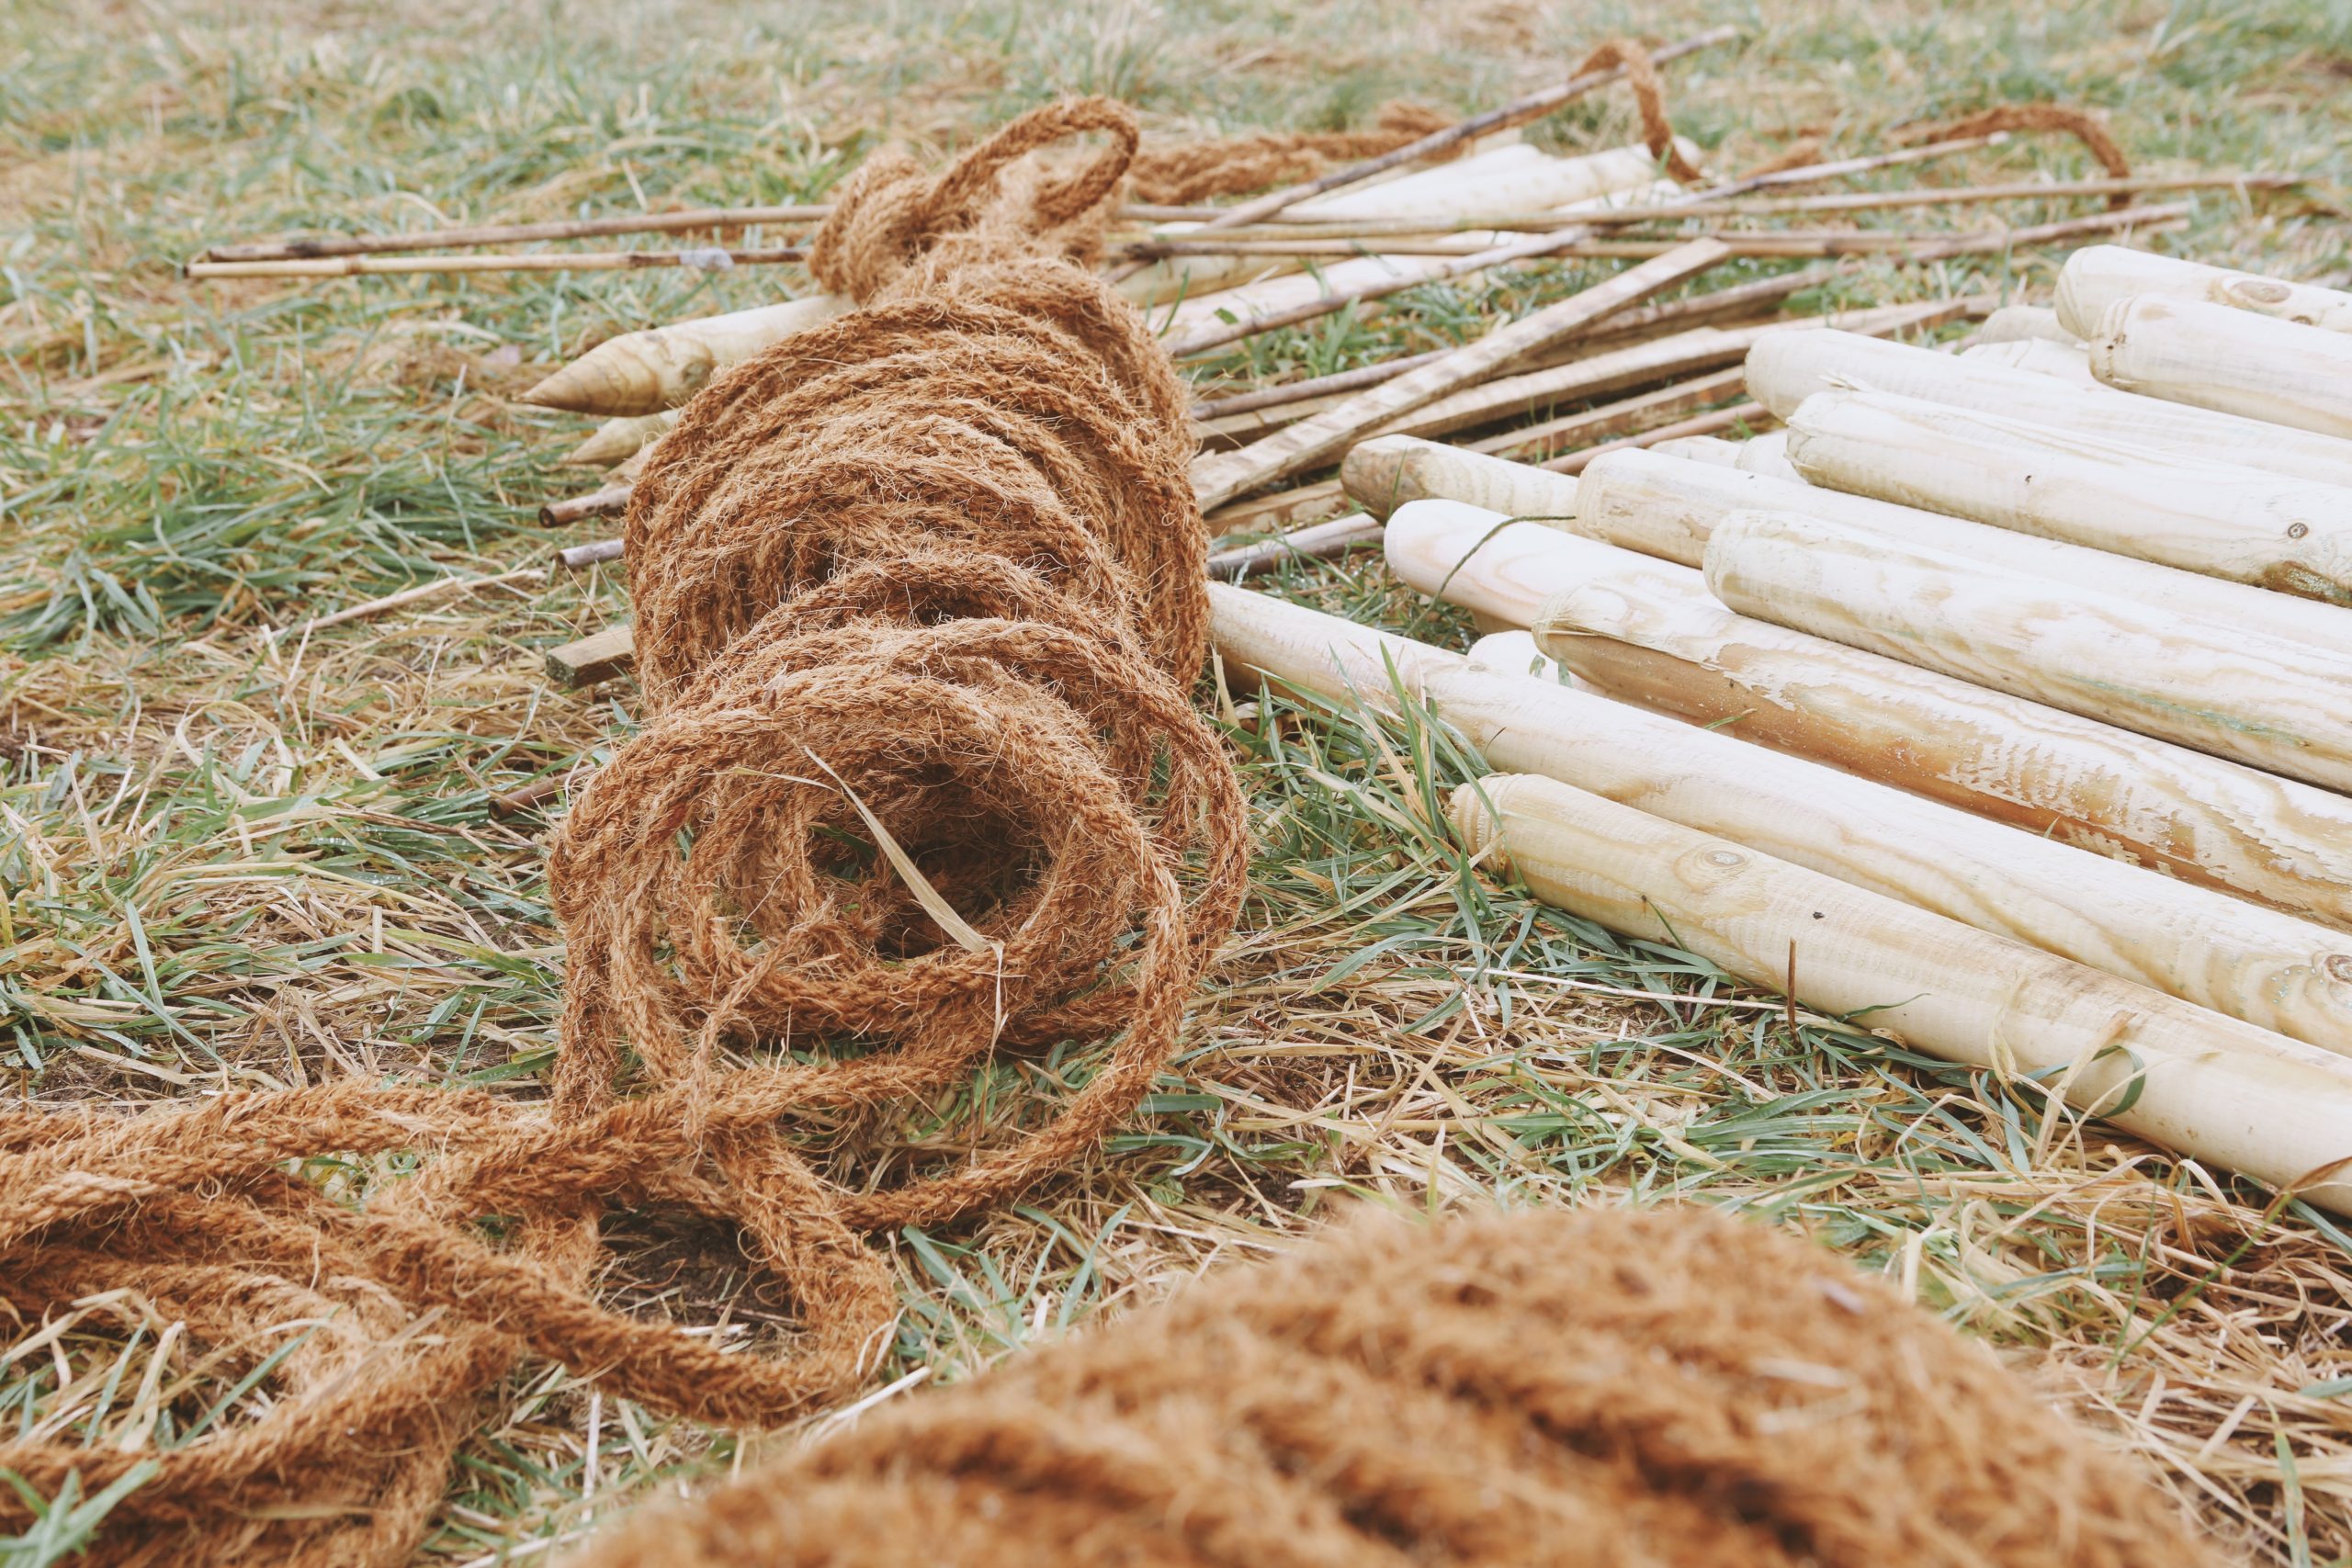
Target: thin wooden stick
x=1220, y=477
x=580, y=557
x=1574, y=243
x=1294, y=227
x=1748, y=414
x=501, y=260
x=1314, y=542
x=1743, y=242
x=603, y=503
x=1315, y=386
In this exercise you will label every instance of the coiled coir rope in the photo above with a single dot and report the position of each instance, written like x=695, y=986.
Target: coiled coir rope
x=918, y=593
x=1599, y=1388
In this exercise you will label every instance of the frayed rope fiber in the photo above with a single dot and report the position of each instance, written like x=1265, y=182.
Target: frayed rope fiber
x=1602, y=1387
x=920, y=595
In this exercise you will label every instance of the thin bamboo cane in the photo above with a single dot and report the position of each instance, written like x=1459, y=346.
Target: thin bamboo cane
x=2063, y=361
x=2090, y=784
x=2207, y=1086
x=1318, y=541
x=1743, y=242
x=1221, y=477
x=1784, y=370
x=1298, y=226
x=2246, y=525
x=2229, y=690
x=609, y=502
x=518, y=233
x=2206, y=947
x=2099, y=276
x=708, y=259
x=646, y=372
x=1625, y=416
x=2185, y=351
x=1667, y=507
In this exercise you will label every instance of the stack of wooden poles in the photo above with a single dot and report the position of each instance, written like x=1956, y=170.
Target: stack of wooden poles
x=2001, y=700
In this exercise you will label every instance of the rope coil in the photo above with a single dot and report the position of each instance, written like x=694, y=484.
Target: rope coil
x=919, y=597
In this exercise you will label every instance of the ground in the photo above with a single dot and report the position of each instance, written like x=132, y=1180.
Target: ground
x=235, y=859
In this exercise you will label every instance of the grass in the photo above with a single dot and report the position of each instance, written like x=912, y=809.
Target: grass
x=234, y=861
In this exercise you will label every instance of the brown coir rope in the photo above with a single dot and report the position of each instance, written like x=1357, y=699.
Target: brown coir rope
x=919, y=594
x=2080, y=124
x=1190, y=172
x=1596, y=1388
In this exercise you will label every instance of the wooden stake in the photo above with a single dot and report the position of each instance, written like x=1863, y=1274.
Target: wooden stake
x=2066, y=362
x=616, y=440
x=1504, y=569
x=2097, y=277
x=2246, y=525
x=610, y=652
x=1220, y=477
x=2210, y=1087
x=2088, y=783
x=1382, y=474
x=2266, y=967
x=2230, y=690
x=1704, y=450
x=2012, y=323
x=646, y=372
x=2186, y=351
x=1785, y=369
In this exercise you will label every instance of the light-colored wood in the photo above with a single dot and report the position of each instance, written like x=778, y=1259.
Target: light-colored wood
x=708, y=259
x=610, y=652
x=519, y=233
x=1644, y=410
x=1220, y=477
x=2210, y=357
x=580, y=557
x=618, y=440
x=609, y=502
x=2258, y=965
x=2182, y=812
x=2014, y=323
x=2066, y=362
x=1504, y=568
x=1788, y=367
x=1504, y=179
x=2246, y=525
x=2220, y=688
x=2096, y=277
x=1283, y=509
x=2211, y=1088
x=1767, y=454
x=1741, y=417
x=1514, y=653
x=645, y=372
x=1318, y=541
x=1666, y=508
x=1382, y=474
x=1713, y=449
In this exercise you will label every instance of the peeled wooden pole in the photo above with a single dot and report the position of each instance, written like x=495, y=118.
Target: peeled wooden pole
x=2173, y=809
x=2247, y=524
x=618, y=440
x=2068, y=362
x=2212, y=357
x=1667, y=506
x=2225, y=689
x=1788, y=367
x=1767, y=454
x=1514, y=653
x=2096, y=277
x=2210, y=1087
x=1503, y=568
x=2014, y=323
x=645, y=372
x=2258, y=965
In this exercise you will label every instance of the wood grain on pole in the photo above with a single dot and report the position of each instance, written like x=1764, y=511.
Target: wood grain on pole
x=2096, y=277
x=2209, y=1086
x=2175, y=810
x=2246, y=525
x=2257, y=965
x=2212, y=357
x=2230, y=690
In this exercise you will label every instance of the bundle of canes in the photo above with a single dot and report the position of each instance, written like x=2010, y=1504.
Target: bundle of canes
x=919, y=594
